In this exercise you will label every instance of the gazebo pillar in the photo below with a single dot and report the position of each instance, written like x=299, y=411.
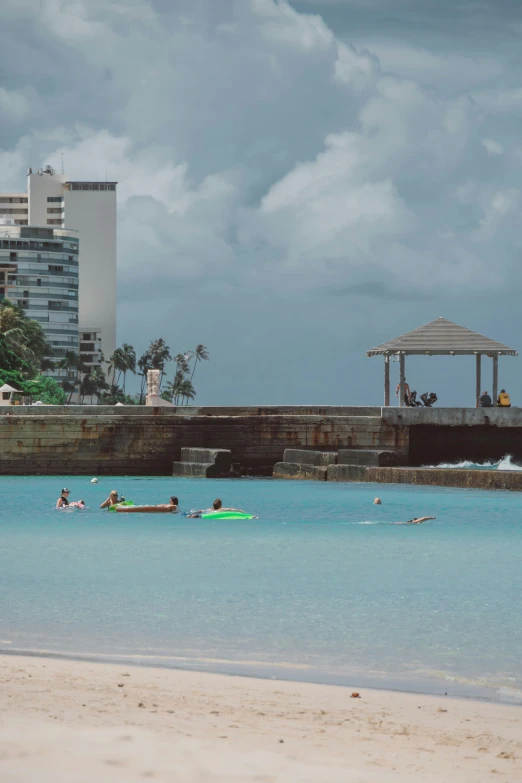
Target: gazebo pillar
x=478, y=383
x=402, y=380
x=495, y=378
x=386, y=380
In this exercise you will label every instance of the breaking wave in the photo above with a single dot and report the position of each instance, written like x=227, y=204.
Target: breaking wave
x=506, y=463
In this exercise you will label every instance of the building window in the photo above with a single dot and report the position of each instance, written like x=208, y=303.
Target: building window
x=55, y=199
x=38, y=281
x=54, y=268
x=54, y=222
x=23, y=303
x=70, y=258
x=54, y=210
x=26, y=294
x=13, y=256
x=55, y=305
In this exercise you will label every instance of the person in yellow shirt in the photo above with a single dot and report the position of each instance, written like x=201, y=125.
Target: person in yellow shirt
x=503, y=400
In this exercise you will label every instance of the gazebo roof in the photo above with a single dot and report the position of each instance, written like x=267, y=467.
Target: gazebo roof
x=442, y=337
x=7, y=388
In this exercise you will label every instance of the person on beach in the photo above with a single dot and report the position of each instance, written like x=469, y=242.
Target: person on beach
x=406, y=392
x=485, y=400
x=112, y=500
x=63, y=500
x=503, y=400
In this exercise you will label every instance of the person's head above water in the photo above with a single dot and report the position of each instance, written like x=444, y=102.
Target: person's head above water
x=65, y=491
x=174, y=500
x=113, y=494
x=216, y=505
x=377, y=502
x=502, y=391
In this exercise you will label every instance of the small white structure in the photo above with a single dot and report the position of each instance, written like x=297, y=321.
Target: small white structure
x=153, y=398
x=6, y=394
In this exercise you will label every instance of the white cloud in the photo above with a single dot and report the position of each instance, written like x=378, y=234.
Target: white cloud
x=255, y=146
x=493, y=147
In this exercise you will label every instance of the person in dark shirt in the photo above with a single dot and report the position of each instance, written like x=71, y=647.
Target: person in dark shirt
x=485, y=400
x=63, y=500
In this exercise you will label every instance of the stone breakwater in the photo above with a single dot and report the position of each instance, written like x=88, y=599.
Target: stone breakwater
x=133, y=440
x=436, y=477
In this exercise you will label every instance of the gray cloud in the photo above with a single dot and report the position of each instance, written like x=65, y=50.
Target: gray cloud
x=277, y=152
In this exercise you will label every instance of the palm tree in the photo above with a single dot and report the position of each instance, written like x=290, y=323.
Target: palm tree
x=187, y=391
x=172, y=391
x=129, y=361
x=201, y=354
x=116, y=364
x=98, y=382
x=71, y=364
x=144, y=364
x=159, y=355
x=23, y=338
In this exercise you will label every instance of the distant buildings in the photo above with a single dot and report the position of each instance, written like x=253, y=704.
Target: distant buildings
x=63, y=271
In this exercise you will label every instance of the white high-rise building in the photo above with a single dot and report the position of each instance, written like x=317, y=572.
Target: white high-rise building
x=89, y=208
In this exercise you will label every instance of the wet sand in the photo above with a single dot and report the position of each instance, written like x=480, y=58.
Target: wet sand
x=70, y=720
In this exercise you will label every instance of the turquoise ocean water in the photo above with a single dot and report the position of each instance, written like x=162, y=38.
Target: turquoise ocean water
x=323, y=586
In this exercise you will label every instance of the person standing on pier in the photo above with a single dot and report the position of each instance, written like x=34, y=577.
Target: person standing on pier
x=406, y=392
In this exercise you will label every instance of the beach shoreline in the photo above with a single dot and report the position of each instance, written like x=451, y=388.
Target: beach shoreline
x=445, y=684
x=116, y=722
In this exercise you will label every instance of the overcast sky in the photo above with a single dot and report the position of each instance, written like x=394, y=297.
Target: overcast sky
x=299, y=181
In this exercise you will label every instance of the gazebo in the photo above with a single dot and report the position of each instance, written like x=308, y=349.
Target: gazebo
x=6, y=394
x=440, y=338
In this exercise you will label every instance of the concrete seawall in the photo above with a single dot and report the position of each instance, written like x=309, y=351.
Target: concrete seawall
x=146, y=441
x=435, y=477
x=136, y=440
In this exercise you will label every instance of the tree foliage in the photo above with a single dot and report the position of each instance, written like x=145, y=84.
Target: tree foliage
x=23, y=345
x=42, y=388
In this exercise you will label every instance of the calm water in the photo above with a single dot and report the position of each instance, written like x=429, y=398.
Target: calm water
x=323, y=586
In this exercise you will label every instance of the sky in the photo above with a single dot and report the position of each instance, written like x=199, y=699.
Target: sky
x=298, y=181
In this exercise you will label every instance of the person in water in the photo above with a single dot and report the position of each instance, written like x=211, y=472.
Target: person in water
x=377, y=502
x=78, y=504
x=112, y=500
x=63, y=500
x=217, y=505
x=416, y=521
x=172, y=505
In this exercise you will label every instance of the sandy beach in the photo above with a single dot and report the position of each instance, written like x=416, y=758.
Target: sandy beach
x=69, y=720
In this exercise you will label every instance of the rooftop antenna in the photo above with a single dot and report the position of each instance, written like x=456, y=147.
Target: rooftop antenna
x=63, y=170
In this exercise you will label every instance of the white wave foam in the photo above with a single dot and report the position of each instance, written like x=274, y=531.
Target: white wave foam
x=506, y=463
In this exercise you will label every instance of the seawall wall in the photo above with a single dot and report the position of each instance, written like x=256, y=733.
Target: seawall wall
x=136, y=440
x=131, y=440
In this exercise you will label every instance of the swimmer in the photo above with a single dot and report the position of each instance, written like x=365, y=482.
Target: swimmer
x=63, y=500
x=77, y=504
x=217, y=505
x=377, y=502
x=416, y=521
x=172, y=505
x=112, y=500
